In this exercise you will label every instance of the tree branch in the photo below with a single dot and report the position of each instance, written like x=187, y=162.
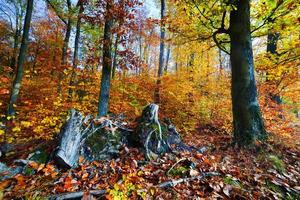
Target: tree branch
x=269, y=17
x=221, y=30
x=57, y=12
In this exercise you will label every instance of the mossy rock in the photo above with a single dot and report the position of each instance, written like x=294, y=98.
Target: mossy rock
x=102, y=145
x=39, y=156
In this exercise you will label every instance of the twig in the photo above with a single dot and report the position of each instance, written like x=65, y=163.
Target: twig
x=180, y=160
x=173, y=183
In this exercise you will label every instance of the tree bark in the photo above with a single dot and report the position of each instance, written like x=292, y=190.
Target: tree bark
x=21, y=59
x=247, y=120
x=106, y=70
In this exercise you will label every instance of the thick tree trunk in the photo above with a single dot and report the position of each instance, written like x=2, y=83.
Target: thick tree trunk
x=68, y=151
x=247, y=120
x=106, y=69
x=21, y=59
x=76, y=46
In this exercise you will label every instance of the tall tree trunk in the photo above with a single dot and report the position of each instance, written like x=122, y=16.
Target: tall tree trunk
x=16, y=44
x=106, y=69
x=247, y=120
x=65, y=47
x=37, y=51
x=220, y=61
x=21, y=59
x=76, y=46
x=161, y=52
x=168, y=58
x=115, y=57
x=272, y=40
x=67, y=36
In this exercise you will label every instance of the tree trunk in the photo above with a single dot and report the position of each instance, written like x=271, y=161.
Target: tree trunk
x=168, y=58
x=76, y=45
x=16, y=44
x=161, y=52
x=106, y=69
x=247, y=120
x=65, y=47
x=67, y=36
x=115, y=57
x=272, y=40
x=21, y=59
x=162, y=39
x=220, y=61
x=71, y=136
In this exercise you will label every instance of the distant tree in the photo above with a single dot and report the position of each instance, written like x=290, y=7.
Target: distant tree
x=64, y=11
x=76, y=46
x=13, y=11
x=65, y=14
x=161, y=50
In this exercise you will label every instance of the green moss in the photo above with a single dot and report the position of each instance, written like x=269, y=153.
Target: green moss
x=28, y=171
x=230, y=181
x=277, y=163
x=284, y=194
x=98, y=141
x=39, y=156
x=179, y=171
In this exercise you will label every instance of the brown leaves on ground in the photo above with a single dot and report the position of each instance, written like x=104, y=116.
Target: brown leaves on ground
x=244, y=174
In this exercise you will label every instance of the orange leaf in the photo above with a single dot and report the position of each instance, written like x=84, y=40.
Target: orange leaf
x=20, y=180
x=4, y=184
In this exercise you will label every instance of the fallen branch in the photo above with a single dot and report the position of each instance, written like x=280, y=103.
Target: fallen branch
x=98, y=193
x=182, y=159
x=75, y=195
x=173, y=183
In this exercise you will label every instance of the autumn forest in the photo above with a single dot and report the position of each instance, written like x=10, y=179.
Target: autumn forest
x=149, y=99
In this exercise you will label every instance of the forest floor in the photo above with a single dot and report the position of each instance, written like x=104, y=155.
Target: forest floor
x=272, y=171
